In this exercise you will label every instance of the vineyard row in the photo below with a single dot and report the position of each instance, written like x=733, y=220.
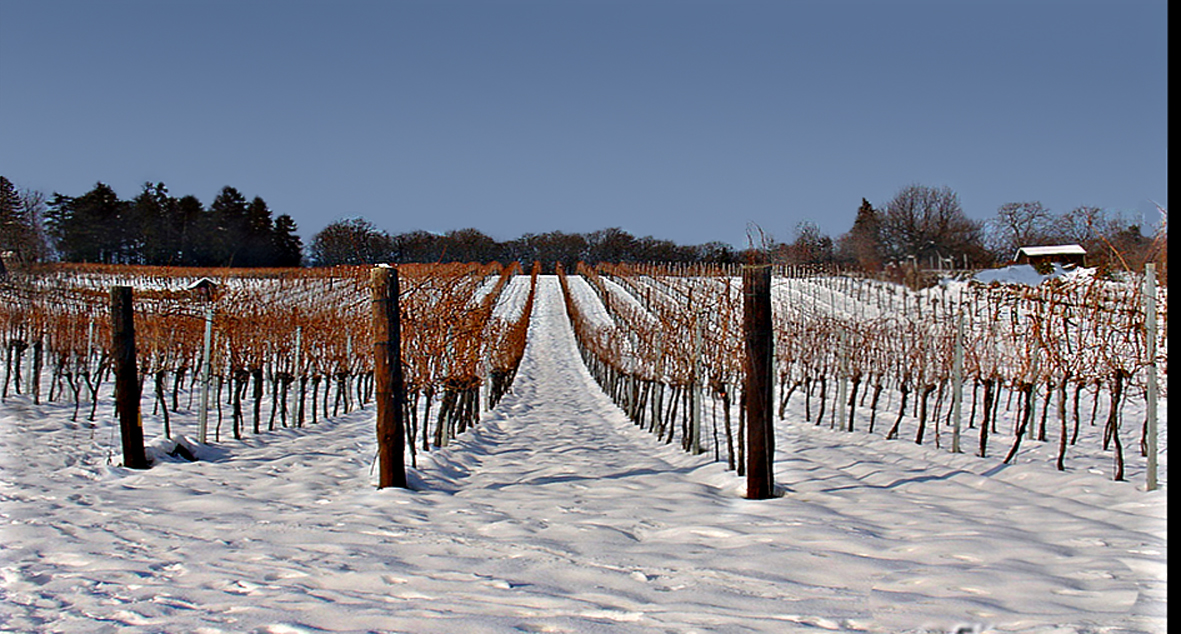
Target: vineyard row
x=284, y=347
x=662, y=340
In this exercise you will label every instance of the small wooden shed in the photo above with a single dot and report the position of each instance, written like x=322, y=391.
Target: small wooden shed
x=1068, y=255
x=205, y=288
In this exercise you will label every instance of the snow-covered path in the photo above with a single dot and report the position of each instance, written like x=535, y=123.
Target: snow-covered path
x=556, y=514
x=595, y=523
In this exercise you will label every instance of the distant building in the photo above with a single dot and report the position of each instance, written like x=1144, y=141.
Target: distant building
x=205, y=288
x=1068, y=255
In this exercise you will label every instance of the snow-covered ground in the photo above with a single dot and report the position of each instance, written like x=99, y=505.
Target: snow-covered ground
x=557, y=514
x=512, y=299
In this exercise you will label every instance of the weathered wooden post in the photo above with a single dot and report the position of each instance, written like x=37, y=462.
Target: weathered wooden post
x=127, y=391
x=387, y=374
x=756, y=293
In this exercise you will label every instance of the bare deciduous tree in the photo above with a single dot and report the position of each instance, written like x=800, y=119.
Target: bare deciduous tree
x=1019, y=225
x=22, y=232
x=923, y=222
x=351, y=241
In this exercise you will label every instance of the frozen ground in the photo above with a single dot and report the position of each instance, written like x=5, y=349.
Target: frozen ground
x=558, y=515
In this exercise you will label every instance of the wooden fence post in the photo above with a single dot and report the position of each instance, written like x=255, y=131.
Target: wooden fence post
x=387, y=374
x=756, y=293
x=127, y=390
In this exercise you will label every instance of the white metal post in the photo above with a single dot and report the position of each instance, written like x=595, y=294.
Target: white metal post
x=843, y=382
x=89, y=341
x=1030, y=433
x=295, y=366
x=957, y=381
x=1150, y=334
x=203, y=418
x=89, y=346
x=698, y=325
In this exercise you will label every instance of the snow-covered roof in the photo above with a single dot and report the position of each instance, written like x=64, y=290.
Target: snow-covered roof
x=1057, y=249
x=201, y=283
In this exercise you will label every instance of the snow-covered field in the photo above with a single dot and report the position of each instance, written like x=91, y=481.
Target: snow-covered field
x=558, y=515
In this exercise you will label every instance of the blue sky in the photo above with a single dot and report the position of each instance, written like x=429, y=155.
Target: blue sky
x=682, y=120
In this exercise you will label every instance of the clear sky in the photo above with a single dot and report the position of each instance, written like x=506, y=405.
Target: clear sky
x=682, y=120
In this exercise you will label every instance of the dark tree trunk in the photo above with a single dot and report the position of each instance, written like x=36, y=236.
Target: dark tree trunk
x=893, y=433
x=987, y=407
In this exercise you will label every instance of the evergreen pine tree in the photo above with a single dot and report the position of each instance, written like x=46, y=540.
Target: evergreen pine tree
x=195, y=231
x=288, y=248
x=91, y=227
x=230, y=227
x=866, y=238
x=11, y=222
x=154, y=214
x=259, y=240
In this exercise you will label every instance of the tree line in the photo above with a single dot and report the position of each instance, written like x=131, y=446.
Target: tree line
x=927, y=227
x=154, y=228
x=359, y=241
x=921, y=225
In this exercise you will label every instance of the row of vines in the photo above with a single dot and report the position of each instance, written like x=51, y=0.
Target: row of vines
x=287, y=347
x=666, y=344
